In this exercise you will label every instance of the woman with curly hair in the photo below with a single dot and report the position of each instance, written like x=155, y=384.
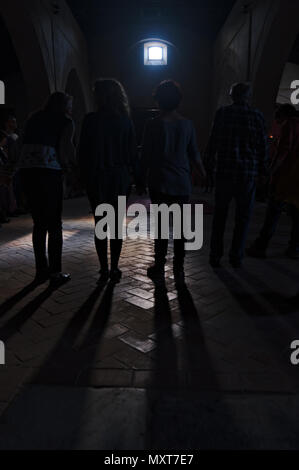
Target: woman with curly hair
x=107, y=152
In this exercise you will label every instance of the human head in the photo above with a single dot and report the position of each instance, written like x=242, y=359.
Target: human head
x=284, y=112
x=168, y=95
x=110, y=96
x=58, y=102
x=241, y=93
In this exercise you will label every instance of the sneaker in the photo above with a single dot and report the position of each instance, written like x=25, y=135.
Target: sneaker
x=4, y=220
x=41, y=277
x=104, y=277
x=59, y=279
x=115, y=276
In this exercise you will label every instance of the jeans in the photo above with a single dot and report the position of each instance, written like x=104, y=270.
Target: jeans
x=161, y=246
x=43, y=189
x=273, y=214
x=102, y=245
x=243, y=192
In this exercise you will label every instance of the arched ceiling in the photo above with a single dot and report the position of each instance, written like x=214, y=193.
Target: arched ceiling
x=97, y=17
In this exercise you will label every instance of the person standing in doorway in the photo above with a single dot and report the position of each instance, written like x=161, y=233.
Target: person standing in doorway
x=169, y=153
x=47, y=152
x=238, y=153
x=107, y=154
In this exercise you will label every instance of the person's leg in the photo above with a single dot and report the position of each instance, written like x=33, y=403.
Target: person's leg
x=273, y=213
x=223, y=197
x=102, y=251
x=116, y=246
x=53, y=181
x=157, y=271
x=245, y=198
x=33, y=186
x=179, y=244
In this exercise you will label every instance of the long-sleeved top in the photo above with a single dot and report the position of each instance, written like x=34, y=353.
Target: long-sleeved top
x=169, y=149
x=107, y=155
x=238, y=145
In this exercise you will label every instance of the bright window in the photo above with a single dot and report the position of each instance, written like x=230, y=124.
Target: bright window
x=155, y=53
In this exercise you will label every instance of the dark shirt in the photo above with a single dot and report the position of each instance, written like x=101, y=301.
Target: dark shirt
x=42, y=141
x=107, y=156
x=169, y=149
x=238, y=145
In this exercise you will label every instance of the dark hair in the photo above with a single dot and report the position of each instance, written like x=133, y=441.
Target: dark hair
x=5, y=115
x=240, y=92
x=285, y=111
x=58, y=102
x=111, y=97
x=168, y=95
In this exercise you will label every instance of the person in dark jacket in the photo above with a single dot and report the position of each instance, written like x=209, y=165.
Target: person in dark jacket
x=107, y=154
x=47, y=150
x=169, y=153
x=238, y=154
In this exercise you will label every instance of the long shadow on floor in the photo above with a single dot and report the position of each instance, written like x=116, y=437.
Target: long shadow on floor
x=270, y=313
x=166, y=373
x=78, y=344
x=185, y=386
x=6, y=306
x=27, y=312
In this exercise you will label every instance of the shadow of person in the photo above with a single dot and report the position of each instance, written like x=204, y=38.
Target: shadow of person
x=166, y=360
x=18, y=297
x=197, y=362
x=65, y=358
x=99, y=322
x=17, y=321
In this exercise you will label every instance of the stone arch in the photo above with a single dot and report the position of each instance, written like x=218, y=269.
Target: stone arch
x=29, y=55
x=15, y=93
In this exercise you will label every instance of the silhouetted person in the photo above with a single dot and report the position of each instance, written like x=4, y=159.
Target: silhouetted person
x=284, y=184
x=107, y=154
x=238, y=153
x=8, y=136
x=47, y=151
x=169, y=151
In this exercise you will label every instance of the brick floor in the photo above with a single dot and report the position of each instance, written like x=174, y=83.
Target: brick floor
x=231, y=331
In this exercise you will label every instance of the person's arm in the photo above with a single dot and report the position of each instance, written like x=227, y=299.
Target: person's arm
x=212, y=148
x=284, y=146
x=133, y=151
x=85, y=153
x=146, y=154
x=194, y=154
x=67, y=150
x=263, y=150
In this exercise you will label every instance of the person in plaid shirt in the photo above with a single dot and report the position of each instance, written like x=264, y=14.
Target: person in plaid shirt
x=237, y=154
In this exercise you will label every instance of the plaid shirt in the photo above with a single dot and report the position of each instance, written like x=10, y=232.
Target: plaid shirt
x=238, y=144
